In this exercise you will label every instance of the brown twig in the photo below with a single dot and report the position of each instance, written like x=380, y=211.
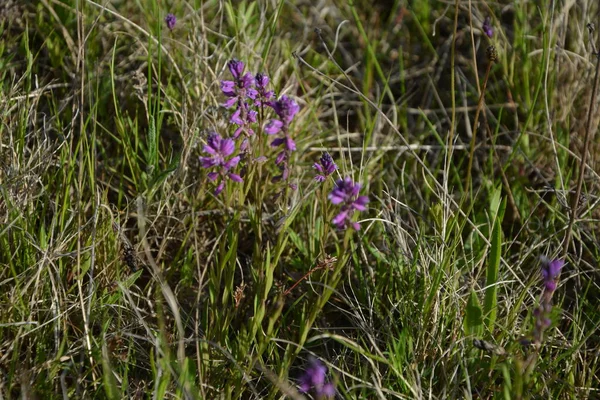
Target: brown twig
x=327, y=263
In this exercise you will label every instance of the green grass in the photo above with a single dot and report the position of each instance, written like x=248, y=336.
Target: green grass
x=124, y=276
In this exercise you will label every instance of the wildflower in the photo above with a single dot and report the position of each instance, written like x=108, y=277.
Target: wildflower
x=219, y=150
x=241, y=87
x=243, y=117
x=170, y=20
x=487, y=27
x=285, y=108
x=346, y=193
x=314, y=379
x=550, y=273
x=264, y=95
x=326, y=166
x=239, y=91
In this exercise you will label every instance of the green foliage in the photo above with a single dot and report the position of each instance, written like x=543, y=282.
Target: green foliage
x=491, y=293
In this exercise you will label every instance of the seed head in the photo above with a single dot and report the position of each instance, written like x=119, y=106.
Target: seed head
x=492, y=53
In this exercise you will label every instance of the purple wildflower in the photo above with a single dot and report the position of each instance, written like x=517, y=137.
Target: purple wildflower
x=314, y=379
x=219, y=150
x=238, y=91
x=346, y=193
x=241, y=87
x=550, y=273
x=243, y=117
x=285, y=108
x=487, y=27
x=170, y=20
x=326, y=166
x=264, y=95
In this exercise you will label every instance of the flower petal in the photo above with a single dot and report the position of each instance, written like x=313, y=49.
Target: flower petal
x=252, y=115
x=290, y=144
x=220, y=188
x=207, y=162
x=227, y=147
x=335, y=199
x=273, y=126
x=230, y=102
x=340, y=218
x=251, y=93
x=228, y=88
x=236, y=68
x=280, y=158
x=232, y=163
x=277, y=142
x=247, y=81
x=235, y=177
x=236, y=117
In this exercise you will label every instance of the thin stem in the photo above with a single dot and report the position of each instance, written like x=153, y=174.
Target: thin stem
x=452, y=80
x=582, y=165
x=474, y=130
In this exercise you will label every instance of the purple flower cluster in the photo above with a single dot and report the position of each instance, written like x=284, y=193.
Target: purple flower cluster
x=314, y=380
x=550, y=273
x=248, y=95
x=326, y=166
x=346, y=193
x=264, y=95
x=285, y=108
x=487, y=27
x=219, y=151
x=170, y=20
x=241, y=93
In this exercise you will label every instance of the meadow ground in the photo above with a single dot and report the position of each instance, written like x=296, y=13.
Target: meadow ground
x=299, y=199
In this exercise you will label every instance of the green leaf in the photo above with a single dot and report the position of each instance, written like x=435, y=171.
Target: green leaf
x=152, y=150
x=491, y=291
x=111, y=388
x=473, y=323
x=130, y=280
x=160, y=177
x=297, y=241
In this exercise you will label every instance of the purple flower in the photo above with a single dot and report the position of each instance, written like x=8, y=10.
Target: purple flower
x=285, y=108
x=550, y=272
x=487, y=27
x=314, y=379
x=239, y=91
x=243, y=117
x=326, y=166
x=219, y=150
x=170, y=20
x=346, y=192
x=236, y=67
x=287, y=142
x=264, y=95
x=241, y=87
